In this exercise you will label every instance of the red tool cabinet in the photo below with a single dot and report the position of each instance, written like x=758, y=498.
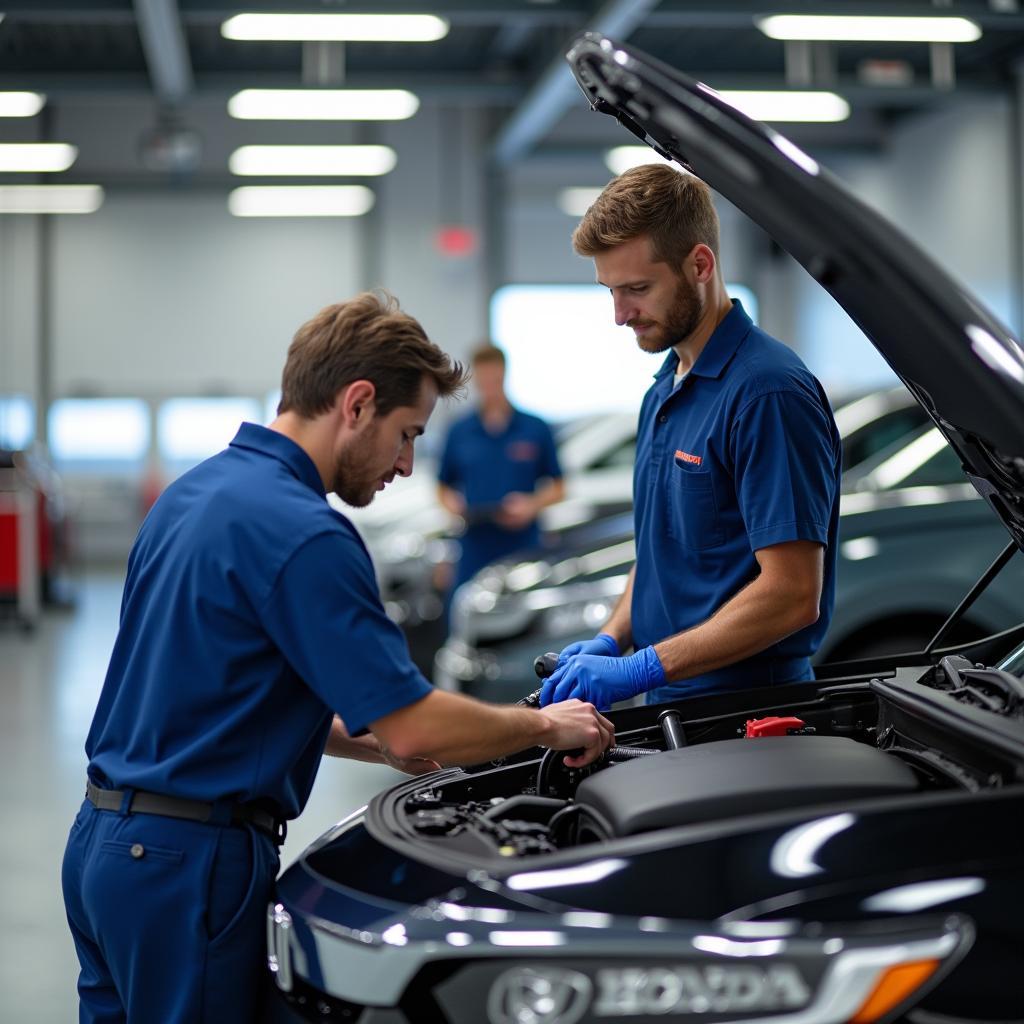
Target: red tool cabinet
x=19, y=545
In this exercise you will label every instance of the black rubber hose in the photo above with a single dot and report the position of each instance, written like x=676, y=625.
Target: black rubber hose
x=628, y=753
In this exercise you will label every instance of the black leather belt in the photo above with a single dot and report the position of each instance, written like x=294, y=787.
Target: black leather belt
x=140, y=802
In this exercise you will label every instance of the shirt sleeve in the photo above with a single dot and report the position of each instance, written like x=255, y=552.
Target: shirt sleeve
x=786, y=468
x=548, y=463
x=325, y=615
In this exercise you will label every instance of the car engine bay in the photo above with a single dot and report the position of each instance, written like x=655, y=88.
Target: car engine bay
x=851, y=742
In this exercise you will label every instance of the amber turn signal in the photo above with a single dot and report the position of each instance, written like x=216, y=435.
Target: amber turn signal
x=895, y=985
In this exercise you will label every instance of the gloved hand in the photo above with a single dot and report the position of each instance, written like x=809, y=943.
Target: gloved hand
x=602, y=644
x=603, y=681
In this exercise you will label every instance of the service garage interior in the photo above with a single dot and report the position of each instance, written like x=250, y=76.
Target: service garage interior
x=183, y=184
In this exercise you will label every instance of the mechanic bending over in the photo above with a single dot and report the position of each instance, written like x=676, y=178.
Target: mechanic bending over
x=494, y=459
x=736, y=483
x=250, y=621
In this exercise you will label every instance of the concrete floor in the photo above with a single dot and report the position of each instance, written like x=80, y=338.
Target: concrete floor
x=49, y=683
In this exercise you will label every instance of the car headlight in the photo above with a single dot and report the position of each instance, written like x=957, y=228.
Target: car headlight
x=526, y=575
x=401, y=547
x=577, y=617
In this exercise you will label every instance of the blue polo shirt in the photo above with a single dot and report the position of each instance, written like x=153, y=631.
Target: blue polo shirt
x=742, y=454
x=250, y=616
x=485, y=467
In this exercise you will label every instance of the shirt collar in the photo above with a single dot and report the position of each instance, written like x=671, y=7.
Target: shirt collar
x=720, y=347
x=512, y=419
x=284, y=449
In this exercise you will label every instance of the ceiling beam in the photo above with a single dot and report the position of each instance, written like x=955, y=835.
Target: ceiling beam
x=163, y=42
x=552, y=93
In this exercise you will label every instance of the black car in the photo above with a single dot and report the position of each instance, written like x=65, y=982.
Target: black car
x=838, y=850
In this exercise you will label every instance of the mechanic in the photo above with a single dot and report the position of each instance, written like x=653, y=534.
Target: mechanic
x=252, y=640
x=736, y=482
x=493, y=460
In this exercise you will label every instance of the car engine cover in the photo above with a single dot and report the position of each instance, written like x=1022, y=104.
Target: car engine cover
x=729, y=778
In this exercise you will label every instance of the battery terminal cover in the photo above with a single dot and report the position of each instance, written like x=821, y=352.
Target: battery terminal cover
x=776, y=726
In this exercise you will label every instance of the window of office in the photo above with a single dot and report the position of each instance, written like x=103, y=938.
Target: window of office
x=189, y=430
x=566, y=356
x=17, y=422
x=98, y=431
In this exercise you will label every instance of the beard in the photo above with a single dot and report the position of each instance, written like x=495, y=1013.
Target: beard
x=356, y=477
x=680, y=321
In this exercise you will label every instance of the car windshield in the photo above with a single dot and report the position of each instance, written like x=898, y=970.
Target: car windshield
x=921, y=458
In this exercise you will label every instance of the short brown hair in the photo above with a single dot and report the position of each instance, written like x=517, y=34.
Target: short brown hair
x=487, y=353
x=674, y=209
x=366, y=338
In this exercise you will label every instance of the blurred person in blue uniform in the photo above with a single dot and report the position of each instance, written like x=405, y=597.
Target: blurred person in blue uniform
x=498, y=470
x=252, y=641
x=736, y=482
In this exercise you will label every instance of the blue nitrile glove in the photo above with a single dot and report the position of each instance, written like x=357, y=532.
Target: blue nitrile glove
x=603, y=681
x=602, y=644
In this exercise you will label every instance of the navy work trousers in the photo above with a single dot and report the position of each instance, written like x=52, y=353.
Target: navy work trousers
x=168, y=917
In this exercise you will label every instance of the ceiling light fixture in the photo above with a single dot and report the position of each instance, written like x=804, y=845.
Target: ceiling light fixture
x=382, y=28
x=301, y=201
x=323, y=104
x=788, y=105
x=576, y=201
x=50, y=198
x=883, y=29
x=36, y=157
x=623, y=158
x=21, y=104
x=312, y=160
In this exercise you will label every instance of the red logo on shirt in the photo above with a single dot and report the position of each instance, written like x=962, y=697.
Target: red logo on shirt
x=687, y=457
x=522, y=451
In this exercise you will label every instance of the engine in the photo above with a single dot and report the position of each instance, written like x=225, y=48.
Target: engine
x=662, y=780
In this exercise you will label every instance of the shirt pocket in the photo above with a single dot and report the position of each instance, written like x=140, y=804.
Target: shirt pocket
x=692, y=512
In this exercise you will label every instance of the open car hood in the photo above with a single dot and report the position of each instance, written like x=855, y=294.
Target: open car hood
x=955, y=357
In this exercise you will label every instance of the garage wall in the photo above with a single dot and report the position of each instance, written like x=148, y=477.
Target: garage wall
x=539, y=234
x=173, y=293
x=19, y=303
x=948, y=180
x=439, y=181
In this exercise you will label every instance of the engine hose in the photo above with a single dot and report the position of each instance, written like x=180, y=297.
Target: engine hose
x=628, y=753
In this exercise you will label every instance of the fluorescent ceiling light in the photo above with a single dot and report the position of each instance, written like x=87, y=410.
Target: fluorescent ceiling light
x=21, y=104
x=50, y=198
x=883, y=29
x=301, y=201
x=383, y=28
x=38, y=157
x=576, y=201
x=323, y=104
x=788, y=105
x=622, y=158
x=312, y=160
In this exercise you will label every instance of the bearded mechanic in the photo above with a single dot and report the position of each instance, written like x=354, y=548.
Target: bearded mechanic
x=736, y=481
x=252, y=640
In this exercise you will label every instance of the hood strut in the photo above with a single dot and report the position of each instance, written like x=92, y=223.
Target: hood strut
x=972, y=595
